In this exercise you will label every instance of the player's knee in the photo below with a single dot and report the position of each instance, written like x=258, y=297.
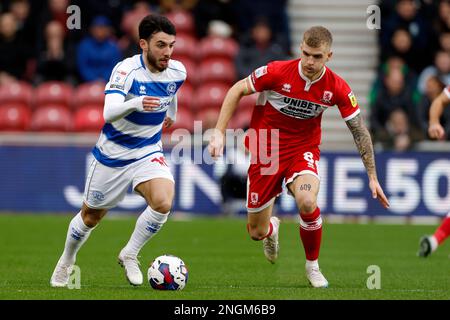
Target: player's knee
x=307, y=204
x=162, y=205
x=91, y=219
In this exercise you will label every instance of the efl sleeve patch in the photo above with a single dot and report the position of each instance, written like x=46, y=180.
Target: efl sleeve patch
x=352, y=98
x=118, y=80
x=260, y=72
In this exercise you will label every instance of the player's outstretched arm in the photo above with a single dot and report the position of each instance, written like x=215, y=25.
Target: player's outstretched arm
x=236, y=92
x=364, y=144
x=115, y=107
x=435, y=129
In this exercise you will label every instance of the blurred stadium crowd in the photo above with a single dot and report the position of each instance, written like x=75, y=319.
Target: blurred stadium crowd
x=52, y=78
x=414, y=68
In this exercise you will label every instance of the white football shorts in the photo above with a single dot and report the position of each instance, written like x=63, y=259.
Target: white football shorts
x=106, y=186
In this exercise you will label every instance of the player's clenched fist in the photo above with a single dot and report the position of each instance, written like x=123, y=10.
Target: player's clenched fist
x=436, y=131
x=216, y=142
x=150, y=103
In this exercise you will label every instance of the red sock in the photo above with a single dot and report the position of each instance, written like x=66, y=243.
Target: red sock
x=311, y=234
x=443, y=231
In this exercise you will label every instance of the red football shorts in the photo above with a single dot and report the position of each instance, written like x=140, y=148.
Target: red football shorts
x=263, y=185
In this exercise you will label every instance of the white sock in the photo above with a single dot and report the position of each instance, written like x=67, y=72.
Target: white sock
x=77, y=235
x=147, y=225
x=434, y=243
x=312, y=264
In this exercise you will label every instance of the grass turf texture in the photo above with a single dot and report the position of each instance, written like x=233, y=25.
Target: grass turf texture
x=223, y=262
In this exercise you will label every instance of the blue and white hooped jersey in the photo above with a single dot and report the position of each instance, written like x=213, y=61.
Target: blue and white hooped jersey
x=138, y=134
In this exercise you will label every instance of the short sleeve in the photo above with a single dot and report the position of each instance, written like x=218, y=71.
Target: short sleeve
x=346, y=101
x=120, y=81
x=262, y=78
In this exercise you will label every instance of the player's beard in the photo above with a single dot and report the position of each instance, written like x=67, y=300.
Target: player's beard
x=152, y=61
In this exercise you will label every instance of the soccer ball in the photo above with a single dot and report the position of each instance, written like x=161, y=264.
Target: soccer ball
x=167, y=272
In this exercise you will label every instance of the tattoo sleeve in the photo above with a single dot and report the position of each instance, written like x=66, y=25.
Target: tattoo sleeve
x=364, y=144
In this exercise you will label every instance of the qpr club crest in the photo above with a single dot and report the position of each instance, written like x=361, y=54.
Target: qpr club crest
x=327, y=96
x=171, y=88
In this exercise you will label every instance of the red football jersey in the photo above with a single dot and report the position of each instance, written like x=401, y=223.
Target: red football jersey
x=292, y=103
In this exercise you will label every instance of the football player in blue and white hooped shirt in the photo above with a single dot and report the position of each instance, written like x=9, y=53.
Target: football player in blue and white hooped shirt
x=140, y=98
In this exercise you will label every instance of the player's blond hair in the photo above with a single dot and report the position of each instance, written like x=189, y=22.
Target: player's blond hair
x=315, y=36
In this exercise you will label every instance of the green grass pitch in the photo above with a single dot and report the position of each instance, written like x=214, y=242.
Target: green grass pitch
x=223, y=262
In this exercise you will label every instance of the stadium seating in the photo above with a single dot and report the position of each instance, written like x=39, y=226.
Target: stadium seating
x=241, y=119
x=185, y=96
x=243, y=113
x=208, y=117
x=186, y=47
x=56, y=118
x=89, y=118
x=16, y=92
x=217, y=69
x=185, y=120
x=14, y=117
x=183, y=21
x=92, y=93
x=191, y=69
x=54, y=93
x=209, y=95
x=218, y=47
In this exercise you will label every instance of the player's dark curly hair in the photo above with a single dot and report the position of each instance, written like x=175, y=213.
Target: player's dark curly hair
x=154, y=23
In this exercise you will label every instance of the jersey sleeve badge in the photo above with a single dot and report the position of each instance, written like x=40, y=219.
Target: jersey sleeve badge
x=118, y=80
x=352, y=98
x=260, y=72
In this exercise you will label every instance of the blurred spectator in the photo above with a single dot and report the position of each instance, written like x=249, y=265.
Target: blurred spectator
x=248, y=12
x=56, y=61
x=13, y=51
x=206, y=11
x=401, y=45
x=444, y=41
x=129, y=43
x=408, y=18
x=442, y=23
x=113, y=9
x=25, y=22
x=394, y=119
x=440, y=68
x=393, y=63
x=433, y=88
x=257, y=49
x=97, y=54
x=56, y=10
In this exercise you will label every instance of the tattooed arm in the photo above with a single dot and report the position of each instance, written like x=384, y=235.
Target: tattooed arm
x=364, y=144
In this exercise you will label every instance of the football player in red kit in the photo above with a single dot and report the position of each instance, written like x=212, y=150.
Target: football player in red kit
x=429, y=244
x=286, y=121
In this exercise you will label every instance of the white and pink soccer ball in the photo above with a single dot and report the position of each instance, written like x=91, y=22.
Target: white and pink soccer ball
x=167, y=272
